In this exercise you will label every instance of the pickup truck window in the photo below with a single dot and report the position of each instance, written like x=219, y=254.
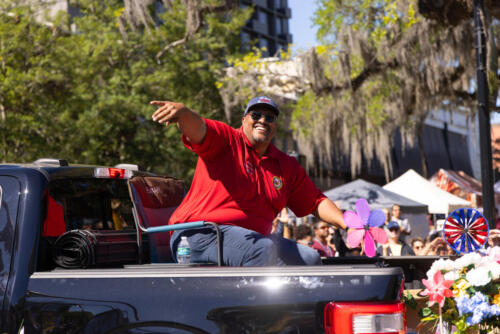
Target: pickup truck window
x=88, y=222
x=9, y=201
x=93, y=204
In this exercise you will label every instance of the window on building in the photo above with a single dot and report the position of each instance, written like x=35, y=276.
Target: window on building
x=262, y=17
x=270, y=28
x=263, y=43
x=278, y=26
x=245, y=37
x=246, y=41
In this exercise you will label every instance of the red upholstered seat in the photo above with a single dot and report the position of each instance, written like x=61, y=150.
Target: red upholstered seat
x=156, y=198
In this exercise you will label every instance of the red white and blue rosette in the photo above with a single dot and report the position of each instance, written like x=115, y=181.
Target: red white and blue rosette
x=466, y=230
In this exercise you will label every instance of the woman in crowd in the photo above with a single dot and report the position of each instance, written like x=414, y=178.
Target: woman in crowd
x=394, y=246
x=417, y=244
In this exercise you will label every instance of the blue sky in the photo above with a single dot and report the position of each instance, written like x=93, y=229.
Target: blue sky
x=304, y=36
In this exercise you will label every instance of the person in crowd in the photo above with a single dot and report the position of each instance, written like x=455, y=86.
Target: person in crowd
x=494, y=238
x=437, y=246
x=404, y=225
x=331, y=240
x=321, y=236
x=241, y=182
x=282, y=224
x=337, y=238
x=387, y=217
x=304, y=235
x=497, y=218
x=417, y=245
x=430, y=220
x=394, y=246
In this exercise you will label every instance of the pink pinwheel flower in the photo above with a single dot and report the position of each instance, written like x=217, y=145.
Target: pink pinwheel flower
x=438, y=289
x=365, y=224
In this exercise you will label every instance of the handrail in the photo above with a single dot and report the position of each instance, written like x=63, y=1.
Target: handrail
x=173, y=227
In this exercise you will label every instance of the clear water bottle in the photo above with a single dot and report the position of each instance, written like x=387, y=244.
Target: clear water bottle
x=184, y=251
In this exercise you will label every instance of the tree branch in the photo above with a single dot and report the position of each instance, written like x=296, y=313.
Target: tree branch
x=194, y=20
x=374, y=68
x=465, y=95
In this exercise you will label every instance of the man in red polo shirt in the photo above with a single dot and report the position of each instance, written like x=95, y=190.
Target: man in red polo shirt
x=241, y=182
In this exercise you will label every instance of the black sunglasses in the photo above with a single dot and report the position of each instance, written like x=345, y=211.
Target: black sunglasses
x=256, y=115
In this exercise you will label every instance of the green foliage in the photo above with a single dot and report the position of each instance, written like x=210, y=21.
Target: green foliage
x=409, y=300
x=373, y=16
x=84, y=95
x=306, y=107
x=426, y=312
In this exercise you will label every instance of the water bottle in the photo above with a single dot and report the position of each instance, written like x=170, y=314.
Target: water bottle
x=183, y=251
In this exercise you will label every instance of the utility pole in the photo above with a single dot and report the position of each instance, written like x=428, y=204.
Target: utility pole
x=484, y=113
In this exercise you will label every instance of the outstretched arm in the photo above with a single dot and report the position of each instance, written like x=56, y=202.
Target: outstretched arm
x=330, y=213
x=189, y=122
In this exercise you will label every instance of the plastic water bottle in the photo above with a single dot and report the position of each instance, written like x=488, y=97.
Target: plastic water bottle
x=184, y=251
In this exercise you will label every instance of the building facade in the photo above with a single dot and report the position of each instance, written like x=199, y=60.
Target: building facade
x=268, y=28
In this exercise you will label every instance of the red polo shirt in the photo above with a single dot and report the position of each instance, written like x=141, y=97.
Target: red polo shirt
x=324, y=251
x=232, y=185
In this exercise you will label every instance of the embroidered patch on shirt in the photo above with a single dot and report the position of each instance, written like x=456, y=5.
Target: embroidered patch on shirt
x=277, y=183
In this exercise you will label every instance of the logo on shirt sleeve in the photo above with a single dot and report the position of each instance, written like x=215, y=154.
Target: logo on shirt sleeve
x=277, y=183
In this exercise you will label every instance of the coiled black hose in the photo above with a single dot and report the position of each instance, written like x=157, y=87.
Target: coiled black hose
x=98, y=248
x=75, y=249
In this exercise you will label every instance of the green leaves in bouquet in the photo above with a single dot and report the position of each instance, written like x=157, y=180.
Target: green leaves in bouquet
x=409, y=300
x=427, y=314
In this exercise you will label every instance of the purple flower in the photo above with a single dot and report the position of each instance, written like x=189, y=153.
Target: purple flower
x=364, y=225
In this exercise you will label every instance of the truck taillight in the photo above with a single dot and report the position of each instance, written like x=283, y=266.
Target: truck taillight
x=365, y=318
x=114, y=173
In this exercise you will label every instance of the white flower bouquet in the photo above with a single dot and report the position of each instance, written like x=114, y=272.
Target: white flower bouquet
x=464, y=293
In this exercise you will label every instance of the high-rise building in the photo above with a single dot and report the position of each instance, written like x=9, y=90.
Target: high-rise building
x=267, y=29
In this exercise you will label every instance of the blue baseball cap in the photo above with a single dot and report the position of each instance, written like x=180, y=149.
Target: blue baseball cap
x=262, y=100
x=393, y=224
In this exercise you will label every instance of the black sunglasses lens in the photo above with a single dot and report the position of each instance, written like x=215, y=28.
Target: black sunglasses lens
x=257, y=116
x=270, y=118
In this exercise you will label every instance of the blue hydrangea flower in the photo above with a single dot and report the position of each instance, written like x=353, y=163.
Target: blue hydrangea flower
x=479, y=307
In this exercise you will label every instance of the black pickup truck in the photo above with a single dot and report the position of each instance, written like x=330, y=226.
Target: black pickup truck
x=74, y=260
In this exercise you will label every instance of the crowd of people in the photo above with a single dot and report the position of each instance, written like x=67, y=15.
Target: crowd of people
x=329, y=241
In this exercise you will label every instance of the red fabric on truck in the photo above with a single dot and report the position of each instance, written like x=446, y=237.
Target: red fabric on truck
x=54, y=224
x=159, y=192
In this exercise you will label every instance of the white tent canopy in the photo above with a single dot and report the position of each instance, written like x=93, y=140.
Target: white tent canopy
x=417, y=188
